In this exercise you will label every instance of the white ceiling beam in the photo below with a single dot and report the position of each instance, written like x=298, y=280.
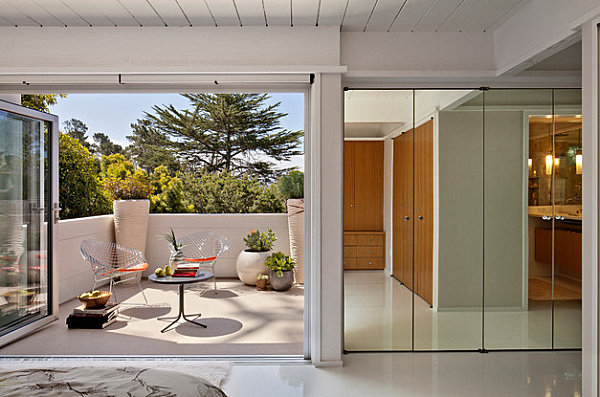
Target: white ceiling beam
x=197, y=12
x=142, y=12
x=224, y=12
x=170, y=12
x=16, y=15
x=331, y=12
x=385, y=13
x=304, y=12
x=112, y=9
x=436, y=15
x=251, y=12
x=411, y=15
x=279, y=12
x=91, y=12
x=357, y=15
x=477, y=15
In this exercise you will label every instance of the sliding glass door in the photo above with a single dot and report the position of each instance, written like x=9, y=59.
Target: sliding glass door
x=28, y=164
x=482, y=214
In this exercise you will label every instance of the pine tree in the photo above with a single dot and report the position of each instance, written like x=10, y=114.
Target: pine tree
x=77, y=129
x=150, y=148
x=235, y=133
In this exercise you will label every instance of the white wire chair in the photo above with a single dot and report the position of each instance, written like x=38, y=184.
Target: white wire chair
x=204, y=249
x=110, y=261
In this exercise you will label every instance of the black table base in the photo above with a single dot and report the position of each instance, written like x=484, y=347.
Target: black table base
x=180, y=314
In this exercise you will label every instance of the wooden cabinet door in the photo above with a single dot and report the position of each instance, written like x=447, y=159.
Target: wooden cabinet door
x=368, y=186
x=423, y=175
x=402, y=208
x=349, y=165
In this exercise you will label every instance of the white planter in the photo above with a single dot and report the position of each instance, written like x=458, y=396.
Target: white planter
x=131, y=224
x=295, y=209
x=250, y=264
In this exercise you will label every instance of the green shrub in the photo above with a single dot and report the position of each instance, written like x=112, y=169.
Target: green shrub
x=291, y=185
x=80, y=190
x=257, y=241
x=279, y=262
x=168, y=193
x=133, y=187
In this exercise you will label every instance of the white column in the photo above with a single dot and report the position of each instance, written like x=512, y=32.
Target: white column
x=590, y=207
x=13, y=98
x=327, y=219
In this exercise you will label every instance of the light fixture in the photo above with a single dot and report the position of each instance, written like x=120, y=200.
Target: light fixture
x=549, y=164
x=529, y=164
x=579, y=164
x=556, y=162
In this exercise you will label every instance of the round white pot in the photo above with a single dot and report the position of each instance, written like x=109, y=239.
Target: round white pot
x=250, y=264
x=131, y=224
x=295, y=209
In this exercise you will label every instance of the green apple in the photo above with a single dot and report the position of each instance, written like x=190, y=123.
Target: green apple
x=168, y=270
x=158, y=271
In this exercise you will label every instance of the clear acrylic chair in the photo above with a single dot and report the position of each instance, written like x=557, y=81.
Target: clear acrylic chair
x=110, y=261
x=204, y=249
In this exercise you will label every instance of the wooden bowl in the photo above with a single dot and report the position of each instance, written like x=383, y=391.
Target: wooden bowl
x=95, y=302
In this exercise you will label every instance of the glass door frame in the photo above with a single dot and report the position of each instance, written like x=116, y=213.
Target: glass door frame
x=52, y=209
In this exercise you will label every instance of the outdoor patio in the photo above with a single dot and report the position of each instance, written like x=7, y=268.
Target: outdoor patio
x=240, y=321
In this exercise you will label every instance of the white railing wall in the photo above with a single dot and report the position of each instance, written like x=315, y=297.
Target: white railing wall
x=75, y=275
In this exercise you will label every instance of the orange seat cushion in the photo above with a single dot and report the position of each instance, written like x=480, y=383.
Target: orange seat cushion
x=212, y=258
x=137, y=268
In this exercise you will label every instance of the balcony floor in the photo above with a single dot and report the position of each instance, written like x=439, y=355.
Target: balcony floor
x=240, y=321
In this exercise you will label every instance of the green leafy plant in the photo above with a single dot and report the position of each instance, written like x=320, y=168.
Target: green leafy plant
x=279, y=263
x=133, y=187
x=262, y=277
x=257, y=241
x=168, y=193
x=172, y=240
x=291, y=185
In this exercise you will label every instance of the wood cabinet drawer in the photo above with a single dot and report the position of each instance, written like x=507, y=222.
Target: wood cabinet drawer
x=349, y=263
x=369, y=239
x=370, y=263
x=350, y=252
x=349, y=239
x=366, y=251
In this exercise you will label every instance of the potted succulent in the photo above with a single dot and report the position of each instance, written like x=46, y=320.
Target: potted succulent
x=261, y=282
x=251, y=261
x=282, y=275
x=176, y=258
x=291, y=187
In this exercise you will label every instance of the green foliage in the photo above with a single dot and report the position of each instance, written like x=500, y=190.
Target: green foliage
x=40, y=102
x=257, y=241
x=104, y=146
x=291, y=185
x=77, y=129
x=150, y=147
x=136, y=186
x=227, y=132
x=116, y=166
x=172, y=240
x=279, y=262
x=80, y=190
x=168, y=193
x=224, y=193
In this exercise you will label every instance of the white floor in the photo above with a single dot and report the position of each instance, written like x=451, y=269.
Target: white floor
x=379, y=316
x=501, y=374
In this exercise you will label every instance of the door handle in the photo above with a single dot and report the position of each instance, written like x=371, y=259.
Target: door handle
x=420, y=217
x=407, y=218
x=56, y=212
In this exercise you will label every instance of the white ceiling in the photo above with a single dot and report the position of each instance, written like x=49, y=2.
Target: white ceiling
x=351, y=15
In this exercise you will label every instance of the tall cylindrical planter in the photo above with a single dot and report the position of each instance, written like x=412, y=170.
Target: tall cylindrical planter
x=250, y=264
x=131, y=224
x=295, y=209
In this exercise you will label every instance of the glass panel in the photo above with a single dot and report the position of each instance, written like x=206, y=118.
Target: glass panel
x=378, y=308
x=23, y=270
x=449, y=279
x=518, y=227
x=568, y=169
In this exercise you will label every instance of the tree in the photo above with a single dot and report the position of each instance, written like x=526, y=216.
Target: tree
x=104, y=146
x=235, y=133
x=40, y=102
x=77, y=129
x=80, y=190
x=168, y=193
x=150, y=148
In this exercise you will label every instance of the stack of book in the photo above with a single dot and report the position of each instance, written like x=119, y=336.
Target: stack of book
x=185, y=270
x=93, y=318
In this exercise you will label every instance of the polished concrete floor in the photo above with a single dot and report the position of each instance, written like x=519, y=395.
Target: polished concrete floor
x=240, y=321
x=379, y=315
x=496, y=374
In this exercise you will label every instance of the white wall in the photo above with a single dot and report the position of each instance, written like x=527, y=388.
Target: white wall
x=74, y=273
x=234, y=227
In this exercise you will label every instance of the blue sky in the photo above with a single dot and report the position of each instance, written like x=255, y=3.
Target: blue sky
x=112, y=114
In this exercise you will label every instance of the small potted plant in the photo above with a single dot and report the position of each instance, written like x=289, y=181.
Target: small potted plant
x=176, y=258
x=261, y=282
x=251, y=261
x=282, y=275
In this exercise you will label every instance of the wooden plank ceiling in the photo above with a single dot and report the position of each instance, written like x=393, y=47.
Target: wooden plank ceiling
x=351, y=15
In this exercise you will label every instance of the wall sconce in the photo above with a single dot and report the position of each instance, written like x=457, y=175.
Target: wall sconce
x=579, y=164
x=529, y=164
x=556, y=163
x=549, y=164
